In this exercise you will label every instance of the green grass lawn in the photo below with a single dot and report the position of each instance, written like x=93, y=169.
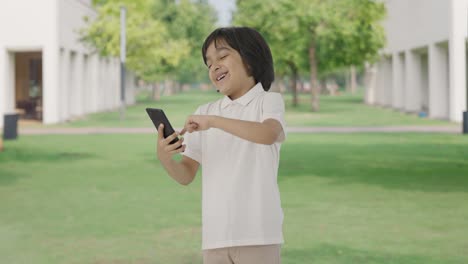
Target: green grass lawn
x=349, y=110
x=360, y=198
x=344, y=110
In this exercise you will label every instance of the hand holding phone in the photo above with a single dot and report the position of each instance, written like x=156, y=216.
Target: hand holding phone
x=158, y=117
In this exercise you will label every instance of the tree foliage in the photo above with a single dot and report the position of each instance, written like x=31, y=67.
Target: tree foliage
x=163, y=36
x=190, y=21
x=317, y=36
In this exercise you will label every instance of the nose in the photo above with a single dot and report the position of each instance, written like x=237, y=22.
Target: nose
x=214, y=69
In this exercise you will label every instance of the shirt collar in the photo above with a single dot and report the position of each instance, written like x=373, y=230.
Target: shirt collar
x=244, y=99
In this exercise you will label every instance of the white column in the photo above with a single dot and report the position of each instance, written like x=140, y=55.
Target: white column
x=72, y=85
x=113, y=88
x=78, y=85
x=398, y=81
x=101, y=88
x=115, y=82
x=10, y=103
x=105, y=83
x=102, y=85
x=380, y=82
x=7, y=83
x=109, y=89
x=64, y=105
x=104, y=88
x=438, y=82
x=51, y=84
x=424, y=82
x=370, y=83
x=413, y=86
x=94, y=81
x=50, y=65
x=85, y=85
x=3, y=82
x=457, y=59
x=388, y=82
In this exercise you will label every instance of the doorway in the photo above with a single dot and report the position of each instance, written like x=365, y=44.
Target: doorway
x=28, y=85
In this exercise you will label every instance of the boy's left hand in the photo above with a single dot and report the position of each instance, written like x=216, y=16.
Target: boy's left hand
x=197, y=123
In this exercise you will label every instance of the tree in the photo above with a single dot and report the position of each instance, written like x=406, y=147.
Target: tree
x=164, y=37
x=274, y=22
x=330, y=34
x=150, y=48
x=341, y=33
x=191, y=21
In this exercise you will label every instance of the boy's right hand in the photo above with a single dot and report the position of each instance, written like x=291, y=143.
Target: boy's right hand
x=165, y=151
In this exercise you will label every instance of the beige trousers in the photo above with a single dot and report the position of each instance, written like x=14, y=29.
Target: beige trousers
x=262, y=254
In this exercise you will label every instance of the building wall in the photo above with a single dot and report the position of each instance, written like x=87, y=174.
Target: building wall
x=93, y=82
x=76, y=81
x=17, y=35
x=71, y=20
x=427, y=41
x=415, y=23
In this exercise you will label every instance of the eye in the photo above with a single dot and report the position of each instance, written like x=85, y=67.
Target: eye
x=209, y=66
x=222, y=57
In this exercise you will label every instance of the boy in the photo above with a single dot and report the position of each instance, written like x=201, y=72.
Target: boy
x=237, y=141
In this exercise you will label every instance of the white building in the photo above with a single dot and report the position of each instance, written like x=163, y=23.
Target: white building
x=423, y=67
x=45, y=72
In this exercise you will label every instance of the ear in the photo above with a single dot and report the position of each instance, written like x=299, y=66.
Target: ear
x=249, y=69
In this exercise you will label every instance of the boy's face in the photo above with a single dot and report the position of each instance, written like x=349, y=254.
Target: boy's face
x=227, y=71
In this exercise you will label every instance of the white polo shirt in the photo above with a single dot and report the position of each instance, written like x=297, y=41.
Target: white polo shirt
x=240, y=202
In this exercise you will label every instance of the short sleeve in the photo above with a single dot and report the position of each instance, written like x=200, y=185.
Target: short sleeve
x=273, y=108
x=193, y=142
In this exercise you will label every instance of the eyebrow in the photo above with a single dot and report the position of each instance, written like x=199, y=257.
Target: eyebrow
x=218, y=49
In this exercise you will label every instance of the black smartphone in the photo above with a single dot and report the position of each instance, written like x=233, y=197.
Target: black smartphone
x=158, y=117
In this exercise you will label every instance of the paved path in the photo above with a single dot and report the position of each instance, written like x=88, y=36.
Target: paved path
x=149, y=130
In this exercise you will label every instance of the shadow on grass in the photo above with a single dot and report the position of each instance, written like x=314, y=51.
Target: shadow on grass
x=15, y=156
x=406, y=166
x=326, y=253
x=9, y=176
x=37, y=155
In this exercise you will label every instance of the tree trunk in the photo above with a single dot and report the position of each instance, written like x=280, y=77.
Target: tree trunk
x=353, y=80
x=348, y=81
x=178, y=87
x=315, y=90
x=168, y=87
x=282, y=86
x=156, y=92
x=293, y=83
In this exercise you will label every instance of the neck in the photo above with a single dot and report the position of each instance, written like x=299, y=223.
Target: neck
x=245, y=88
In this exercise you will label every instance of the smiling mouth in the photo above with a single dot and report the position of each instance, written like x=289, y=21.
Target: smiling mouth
x=219, y=78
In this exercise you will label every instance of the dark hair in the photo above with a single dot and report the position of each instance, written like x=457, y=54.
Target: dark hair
x=252, y=48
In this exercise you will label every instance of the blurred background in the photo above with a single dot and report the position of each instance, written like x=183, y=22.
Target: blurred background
x=374, y=169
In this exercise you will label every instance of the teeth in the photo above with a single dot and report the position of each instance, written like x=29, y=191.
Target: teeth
x=221, y=77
